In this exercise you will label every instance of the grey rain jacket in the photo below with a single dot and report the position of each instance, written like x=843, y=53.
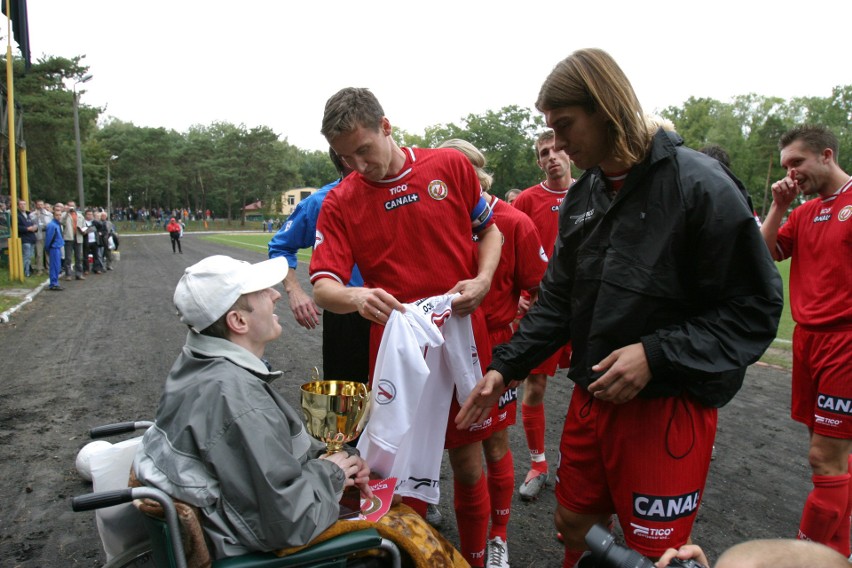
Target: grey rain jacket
x=675, y=261
x=227, y=443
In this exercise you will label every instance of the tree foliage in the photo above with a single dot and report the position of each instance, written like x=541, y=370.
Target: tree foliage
x=224, y=167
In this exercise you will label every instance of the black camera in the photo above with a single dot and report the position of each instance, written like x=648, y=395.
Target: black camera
x=605, y=553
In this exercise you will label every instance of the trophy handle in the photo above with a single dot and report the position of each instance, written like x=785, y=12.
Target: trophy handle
x=315, y=374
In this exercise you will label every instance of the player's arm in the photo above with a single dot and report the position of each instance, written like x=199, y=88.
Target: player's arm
x=304, y=310
x=297, y=233
x=489, y=242
x=784, y=191
x=373, y=304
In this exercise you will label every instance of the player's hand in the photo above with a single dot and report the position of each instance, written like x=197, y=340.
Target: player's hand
x=626, y=372
x=481, y=400
x=685, y=552
x=524, y=304
x=305, y=311
x=375, y=304
x=472, y=293
x=784, y=191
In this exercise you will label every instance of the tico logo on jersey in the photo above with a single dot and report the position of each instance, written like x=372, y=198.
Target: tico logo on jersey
x=385, y=392
x=845, y=213
x=437, y=190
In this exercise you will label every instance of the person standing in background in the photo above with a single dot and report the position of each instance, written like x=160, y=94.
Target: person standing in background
x=175, y=232
x=817, y=237
x=53, y=245
x=541, y=204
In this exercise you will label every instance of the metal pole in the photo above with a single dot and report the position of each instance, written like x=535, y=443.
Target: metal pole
x=109, y=185
x=16, y=259
x=80, y=197
x=109, y=204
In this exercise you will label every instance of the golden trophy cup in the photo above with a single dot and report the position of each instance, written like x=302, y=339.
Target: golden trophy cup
x=335, y=411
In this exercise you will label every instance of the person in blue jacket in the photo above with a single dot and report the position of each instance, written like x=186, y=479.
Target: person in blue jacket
x=345, y=337
x=53, y=245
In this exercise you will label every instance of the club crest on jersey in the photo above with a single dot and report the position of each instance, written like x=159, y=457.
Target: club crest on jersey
x=437, y=189
x=319, y=239
x=845, y=213
x=542, y=254
x=385, y=392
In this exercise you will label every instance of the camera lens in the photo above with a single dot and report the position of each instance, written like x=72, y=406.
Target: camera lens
x=608, y=554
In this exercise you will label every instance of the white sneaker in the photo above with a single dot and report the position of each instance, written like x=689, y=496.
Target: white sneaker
x=434, y=516
x=532, y=485
x=498, y=553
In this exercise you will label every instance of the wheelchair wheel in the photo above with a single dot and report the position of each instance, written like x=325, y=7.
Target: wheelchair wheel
x=138, y=556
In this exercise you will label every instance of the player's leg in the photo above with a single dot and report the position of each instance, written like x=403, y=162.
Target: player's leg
x=574, y=527
x=471, y=501
x=825, y=507
x=532, y=415
x=821, y=395
x=501, y=483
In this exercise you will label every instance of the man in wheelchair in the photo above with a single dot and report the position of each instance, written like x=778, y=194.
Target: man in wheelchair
x=226, y=442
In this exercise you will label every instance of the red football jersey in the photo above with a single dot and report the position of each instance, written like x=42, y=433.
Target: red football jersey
x=541, y=204
x=818, y=237
x=522, y=265
x=410, y=234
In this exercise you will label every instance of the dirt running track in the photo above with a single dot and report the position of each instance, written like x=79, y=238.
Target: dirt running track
x=99, y=351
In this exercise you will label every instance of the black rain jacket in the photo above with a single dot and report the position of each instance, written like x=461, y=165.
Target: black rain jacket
x=675, y=261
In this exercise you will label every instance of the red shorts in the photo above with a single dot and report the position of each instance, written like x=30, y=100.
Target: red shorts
x=822, y=389
x=507, y=406
x=645, y=460
x=559, y=360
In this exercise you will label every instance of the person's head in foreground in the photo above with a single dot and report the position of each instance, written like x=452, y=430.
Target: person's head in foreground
x=232, y=299
x=764, y=553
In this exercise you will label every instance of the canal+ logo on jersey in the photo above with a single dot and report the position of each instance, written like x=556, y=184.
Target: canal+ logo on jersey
x=437, y=190
x=665, y=507
x=385, y=392
x=834, y=404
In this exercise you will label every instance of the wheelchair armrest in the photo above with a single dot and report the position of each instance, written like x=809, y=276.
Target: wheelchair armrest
x=119, y=428
x=337, y=547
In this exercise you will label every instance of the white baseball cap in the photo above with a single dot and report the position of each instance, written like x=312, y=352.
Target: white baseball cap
x=209, y=288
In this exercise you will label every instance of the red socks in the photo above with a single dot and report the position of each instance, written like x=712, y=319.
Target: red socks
x=501, y=484
x=533, y=418
x=472, y=505
x=571, y=557
x=840, y=540
x=825, y=508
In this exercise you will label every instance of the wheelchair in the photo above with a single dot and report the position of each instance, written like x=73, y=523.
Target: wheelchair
x=162, y=546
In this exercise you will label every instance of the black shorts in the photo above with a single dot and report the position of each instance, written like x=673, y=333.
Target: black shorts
x=345, y=347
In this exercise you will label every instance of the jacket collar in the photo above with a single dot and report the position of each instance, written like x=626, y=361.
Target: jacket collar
x=216, y=347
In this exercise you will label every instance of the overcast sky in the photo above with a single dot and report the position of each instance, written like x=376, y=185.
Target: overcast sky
x=175, y=63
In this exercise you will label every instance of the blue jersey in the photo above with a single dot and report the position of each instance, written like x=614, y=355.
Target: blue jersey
x=299, y=231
